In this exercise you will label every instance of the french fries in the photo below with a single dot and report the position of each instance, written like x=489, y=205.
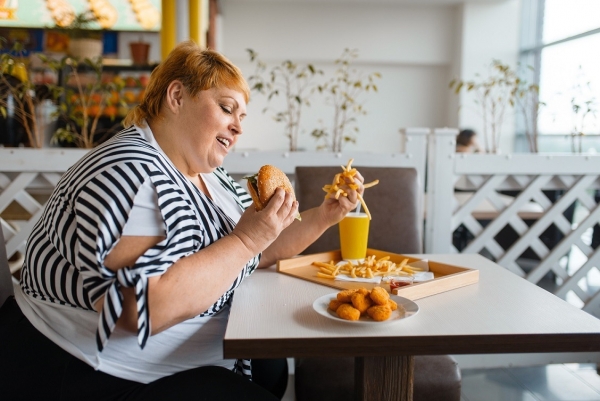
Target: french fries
x=369, y=268
x=346, y=177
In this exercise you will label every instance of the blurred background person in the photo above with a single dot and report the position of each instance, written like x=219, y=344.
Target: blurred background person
x=466, y=142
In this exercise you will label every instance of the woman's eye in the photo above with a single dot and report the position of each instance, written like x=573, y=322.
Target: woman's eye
x=226, y=109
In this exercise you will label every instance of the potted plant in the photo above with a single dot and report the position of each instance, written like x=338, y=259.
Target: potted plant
x=85, y=97
x=502, y=89
x=84, y=42
x=290, y=80
x=584, y=107
x=343, y=91
x=140, y=52
x=18, y=100
x=528, y=107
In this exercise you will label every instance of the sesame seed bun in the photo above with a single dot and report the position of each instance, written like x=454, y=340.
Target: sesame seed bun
x=262, y=186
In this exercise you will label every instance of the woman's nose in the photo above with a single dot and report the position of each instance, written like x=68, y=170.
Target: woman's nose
x=236, y=127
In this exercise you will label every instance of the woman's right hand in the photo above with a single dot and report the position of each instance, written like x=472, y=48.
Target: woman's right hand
x=258, y=229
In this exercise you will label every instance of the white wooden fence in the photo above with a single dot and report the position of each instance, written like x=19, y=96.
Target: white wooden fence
x=551, y=210
x=532, y=230
x=26, y=179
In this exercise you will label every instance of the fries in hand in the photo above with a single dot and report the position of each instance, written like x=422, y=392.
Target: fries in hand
x=346, y=177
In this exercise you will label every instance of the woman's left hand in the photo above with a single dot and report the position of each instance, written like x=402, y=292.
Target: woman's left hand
x=333, y=210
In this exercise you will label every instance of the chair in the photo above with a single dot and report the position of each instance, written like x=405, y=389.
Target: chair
x=398, y=189
x=436, y=377
x=6, y=285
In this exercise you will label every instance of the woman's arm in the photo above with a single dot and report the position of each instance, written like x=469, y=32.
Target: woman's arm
x=194, y=283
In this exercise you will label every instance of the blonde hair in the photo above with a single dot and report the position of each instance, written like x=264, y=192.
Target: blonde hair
x=197, y=69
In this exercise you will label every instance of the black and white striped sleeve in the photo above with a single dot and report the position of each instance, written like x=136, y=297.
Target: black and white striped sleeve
x=102, y=209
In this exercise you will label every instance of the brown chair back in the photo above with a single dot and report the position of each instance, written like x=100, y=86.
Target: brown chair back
x=395, y=205
x=6, y=286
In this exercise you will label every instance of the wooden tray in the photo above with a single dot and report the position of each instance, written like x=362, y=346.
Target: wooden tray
x=447, y=277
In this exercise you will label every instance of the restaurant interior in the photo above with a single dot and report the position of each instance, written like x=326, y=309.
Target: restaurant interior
x=523, y=191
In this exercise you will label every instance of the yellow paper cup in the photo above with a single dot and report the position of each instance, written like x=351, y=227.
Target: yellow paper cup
x=354, y=235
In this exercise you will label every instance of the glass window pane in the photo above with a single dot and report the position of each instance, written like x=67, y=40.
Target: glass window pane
x=529, y=21
x=567, y=18
x=570, y=75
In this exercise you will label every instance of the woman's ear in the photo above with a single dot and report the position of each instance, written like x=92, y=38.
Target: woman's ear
x=174, y=96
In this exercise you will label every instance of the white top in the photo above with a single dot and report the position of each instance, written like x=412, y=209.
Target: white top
x=145, y=218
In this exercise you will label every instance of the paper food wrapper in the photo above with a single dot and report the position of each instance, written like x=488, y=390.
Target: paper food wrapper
x=424, y=275
x=345, y=277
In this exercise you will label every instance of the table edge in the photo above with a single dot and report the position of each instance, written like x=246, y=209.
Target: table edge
x=385, y=346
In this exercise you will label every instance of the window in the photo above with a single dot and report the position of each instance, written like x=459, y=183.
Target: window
x=559, y=40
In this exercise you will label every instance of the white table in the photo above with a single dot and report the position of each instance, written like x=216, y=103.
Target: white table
x=272, y=317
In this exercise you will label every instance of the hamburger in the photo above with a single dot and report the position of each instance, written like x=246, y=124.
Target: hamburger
x=263, y=184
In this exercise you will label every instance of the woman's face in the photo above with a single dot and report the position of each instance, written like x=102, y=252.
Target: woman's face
x=212, y=123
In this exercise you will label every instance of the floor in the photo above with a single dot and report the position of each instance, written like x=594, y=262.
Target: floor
x=560, y=382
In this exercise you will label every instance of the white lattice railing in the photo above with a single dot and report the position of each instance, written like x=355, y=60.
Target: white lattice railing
x=27, y=176
x=531, y=213
x=549, y=214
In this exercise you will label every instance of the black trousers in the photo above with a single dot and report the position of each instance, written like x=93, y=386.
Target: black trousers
x=34, y=368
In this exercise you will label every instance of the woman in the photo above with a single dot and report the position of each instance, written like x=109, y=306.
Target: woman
x=466, y=142
x=130, y=272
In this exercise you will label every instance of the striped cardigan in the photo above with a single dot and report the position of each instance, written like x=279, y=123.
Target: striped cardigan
x=84, y=218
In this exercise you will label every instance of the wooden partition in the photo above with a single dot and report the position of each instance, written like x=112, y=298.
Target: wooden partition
x=537, y=215
x=27, y=177
x=525, y=211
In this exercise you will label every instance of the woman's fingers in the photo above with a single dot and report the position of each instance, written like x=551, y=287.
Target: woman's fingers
x=283, y=205
x=264, y=226
x=350, y=202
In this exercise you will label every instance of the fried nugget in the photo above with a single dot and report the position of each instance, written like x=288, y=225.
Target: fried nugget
x=379, y=313
x=362, y=302
x=392, y=304
x=334, y=304
x=348, y=312
x=363, y=291
x=346, y=295
x=380, y=296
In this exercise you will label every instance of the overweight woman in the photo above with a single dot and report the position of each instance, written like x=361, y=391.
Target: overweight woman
x=129, y=274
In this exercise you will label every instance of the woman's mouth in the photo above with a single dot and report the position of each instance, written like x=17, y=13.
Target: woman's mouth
x=224, y=141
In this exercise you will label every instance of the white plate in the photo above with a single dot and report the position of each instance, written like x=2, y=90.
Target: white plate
x=321, y=306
